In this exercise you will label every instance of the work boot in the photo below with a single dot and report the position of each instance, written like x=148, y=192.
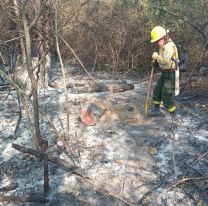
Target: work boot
x=173, y=116
x=155, y=111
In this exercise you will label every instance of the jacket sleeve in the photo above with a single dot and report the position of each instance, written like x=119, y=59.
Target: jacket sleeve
x=164, y=58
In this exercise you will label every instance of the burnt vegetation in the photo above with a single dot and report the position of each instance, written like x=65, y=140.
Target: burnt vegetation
x=44, y=42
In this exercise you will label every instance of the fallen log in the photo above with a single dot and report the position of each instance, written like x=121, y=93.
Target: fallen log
x=57, y=83
x=84, y=87
x=39, y=199
x=67, y=165
x=114, y=88
x=89, y=89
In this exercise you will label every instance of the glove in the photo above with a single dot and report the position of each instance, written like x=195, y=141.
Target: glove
x=155, y=64
x=155, y=55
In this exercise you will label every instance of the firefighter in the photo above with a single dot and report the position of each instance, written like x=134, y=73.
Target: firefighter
x=167, y=58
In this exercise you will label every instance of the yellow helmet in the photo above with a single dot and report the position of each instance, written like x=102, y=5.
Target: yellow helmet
x=157, y=33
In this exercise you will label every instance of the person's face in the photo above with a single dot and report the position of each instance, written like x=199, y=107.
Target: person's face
x=161, y=42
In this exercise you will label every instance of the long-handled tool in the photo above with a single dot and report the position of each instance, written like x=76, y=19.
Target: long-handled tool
x=149, y=89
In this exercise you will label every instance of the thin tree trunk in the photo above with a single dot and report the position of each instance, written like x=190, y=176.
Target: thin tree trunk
x=17, y=12
x=63, y=72
x=39, y=39
x=43, y=37
x=33, y=81
x=47, y=40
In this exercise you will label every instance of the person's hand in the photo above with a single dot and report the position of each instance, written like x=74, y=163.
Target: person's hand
x=155, y=64
x=154, y=56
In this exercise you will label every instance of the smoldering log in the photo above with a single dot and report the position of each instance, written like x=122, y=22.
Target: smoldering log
x=67, y=165
x=23, y=199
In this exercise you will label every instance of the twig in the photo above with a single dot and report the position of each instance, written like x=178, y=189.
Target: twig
x=20, y=114
x=179, y=182
x=201, y=124
x=105, y=192
x=9, y=187
x=76, y=57
x=36, y=18
x=201, y=156
x=13, y=83
x=4, y=87
x=196, y=170
x=7, y=96
x=13, y=39
x=23, y=199
x=56, y=132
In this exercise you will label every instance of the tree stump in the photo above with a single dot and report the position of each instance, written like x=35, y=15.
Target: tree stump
x=90, y=114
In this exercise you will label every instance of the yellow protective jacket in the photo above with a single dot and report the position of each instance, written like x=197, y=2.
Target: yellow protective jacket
x=166, y=53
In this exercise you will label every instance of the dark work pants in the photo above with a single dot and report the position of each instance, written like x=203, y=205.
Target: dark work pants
x=164, y=90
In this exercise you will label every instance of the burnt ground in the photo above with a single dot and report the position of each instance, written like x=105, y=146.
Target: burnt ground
x=130, y=159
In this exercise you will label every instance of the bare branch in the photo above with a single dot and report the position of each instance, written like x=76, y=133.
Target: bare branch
x=23, y=199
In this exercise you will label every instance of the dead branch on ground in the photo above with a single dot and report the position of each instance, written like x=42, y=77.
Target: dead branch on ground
x=200, y=157
x=197, y=171
x=23, y=199
x=177, y=183
x=9, y=187
x=64, y=164
x=105, y=192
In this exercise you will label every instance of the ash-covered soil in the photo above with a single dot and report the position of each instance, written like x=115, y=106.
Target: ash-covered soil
x=129, y=159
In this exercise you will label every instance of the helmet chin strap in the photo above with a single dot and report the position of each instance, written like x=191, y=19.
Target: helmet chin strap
x=166, y=39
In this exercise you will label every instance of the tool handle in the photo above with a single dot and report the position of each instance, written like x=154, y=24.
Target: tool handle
x=149, y=89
